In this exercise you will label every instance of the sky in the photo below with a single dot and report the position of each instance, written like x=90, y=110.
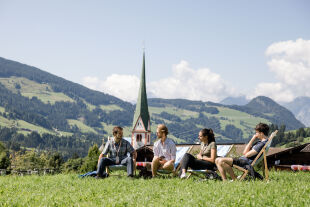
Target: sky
x=198, y=50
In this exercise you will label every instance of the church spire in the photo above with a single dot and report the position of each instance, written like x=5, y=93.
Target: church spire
x=142, y=106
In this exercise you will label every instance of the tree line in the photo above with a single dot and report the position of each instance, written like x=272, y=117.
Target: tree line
x=12, y=160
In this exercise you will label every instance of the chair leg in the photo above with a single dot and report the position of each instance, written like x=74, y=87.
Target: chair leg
x=244, y=175
x=190, y=174
x=266, y=167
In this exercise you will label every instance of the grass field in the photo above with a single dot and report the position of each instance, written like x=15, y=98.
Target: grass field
x=283, y=189
x=29, y=88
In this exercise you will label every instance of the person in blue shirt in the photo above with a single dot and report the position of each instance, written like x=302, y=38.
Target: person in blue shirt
x=224, y=164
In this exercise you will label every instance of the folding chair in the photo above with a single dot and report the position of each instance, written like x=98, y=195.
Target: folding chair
x=179, y=155
x=222, y=151
x=259, y=158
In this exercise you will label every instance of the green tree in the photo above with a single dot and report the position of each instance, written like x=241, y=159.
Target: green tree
x=72, y=165
x=4, y=157
x=90, y=162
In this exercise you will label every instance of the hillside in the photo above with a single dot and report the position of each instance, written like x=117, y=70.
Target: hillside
x=43, y=107
x=301, y=109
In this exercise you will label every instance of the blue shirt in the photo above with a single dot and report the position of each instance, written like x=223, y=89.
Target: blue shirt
x=257, y=147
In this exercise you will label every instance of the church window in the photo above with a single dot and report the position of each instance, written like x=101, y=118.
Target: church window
x=139, y=138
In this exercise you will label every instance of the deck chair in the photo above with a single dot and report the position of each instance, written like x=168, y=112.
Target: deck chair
x=222, y=151
x=262, y=155
x=179, y=155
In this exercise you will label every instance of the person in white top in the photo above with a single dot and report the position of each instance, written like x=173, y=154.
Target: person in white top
x=164, y=151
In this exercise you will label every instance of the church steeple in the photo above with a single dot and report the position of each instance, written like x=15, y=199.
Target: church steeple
x=142, y=109
x=141, y=121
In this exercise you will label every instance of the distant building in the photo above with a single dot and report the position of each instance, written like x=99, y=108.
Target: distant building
x=141, y=126
x=283, y=160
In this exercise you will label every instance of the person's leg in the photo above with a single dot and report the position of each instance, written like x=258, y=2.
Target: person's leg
x=186, y=160
x=224, y=165
x=155, y=165
x=201, y=165
x=129, y=163
x=169, y=165
x=103, y=163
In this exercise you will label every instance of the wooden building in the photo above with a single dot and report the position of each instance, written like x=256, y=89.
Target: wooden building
x=283, y=160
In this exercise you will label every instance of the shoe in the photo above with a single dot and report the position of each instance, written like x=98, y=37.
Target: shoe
x=105, y=175
x=183, y=175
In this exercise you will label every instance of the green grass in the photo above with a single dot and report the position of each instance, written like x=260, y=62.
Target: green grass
x=283, y=189
x=182, y=113
x=30, y=89
x=306, y=140
x=111, y=107
x=83, y=127
x=234, y=117
x=4, y=122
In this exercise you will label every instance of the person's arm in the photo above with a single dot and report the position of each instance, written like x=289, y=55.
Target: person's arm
x=104, y=151
x=173, y=151
x=132, y=151
x=199, y=155
x=212, y=158
x=155, y=150
x=100, y=156
x=247, y=148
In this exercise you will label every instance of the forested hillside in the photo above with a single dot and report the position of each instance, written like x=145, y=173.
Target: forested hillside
x=41, y=110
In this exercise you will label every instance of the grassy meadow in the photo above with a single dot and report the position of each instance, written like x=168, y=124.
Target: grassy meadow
x=283, y=189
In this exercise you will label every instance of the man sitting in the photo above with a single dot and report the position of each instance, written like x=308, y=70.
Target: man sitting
x=224, y=164
x=117, y=149
x=164, y=151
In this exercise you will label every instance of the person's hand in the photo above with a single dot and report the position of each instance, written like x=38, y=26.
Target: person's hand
x=199, y=157
x=255, y=136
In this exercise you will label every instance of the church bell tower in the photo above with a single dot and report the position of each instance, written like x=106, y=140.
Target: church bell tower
x=141, y=131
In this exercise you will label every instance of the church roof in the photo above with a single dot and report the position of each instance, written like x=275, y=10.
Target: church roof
x=142, y=106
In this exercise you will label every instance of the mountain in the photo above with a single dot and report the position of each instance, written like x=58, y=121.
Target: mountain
x=240, y=100
x=41, y=110
x=300, y=108
x=277, y=113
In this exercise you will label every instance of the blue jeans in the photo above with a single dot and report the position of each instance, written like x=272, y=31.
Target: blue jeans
x=105, y=161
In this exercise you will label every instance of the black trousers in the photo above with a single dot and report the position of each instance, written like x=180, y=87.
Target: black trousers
x=190, y=161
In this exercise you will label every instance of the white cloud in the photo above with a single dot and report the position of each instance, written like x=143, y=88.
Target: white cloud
x=187, y=83
x=125, y=87
x=290, y=62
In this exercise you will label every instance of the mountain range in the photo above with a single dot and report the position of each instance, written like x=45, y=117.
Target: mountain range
x=34, y=100
x=300, y=106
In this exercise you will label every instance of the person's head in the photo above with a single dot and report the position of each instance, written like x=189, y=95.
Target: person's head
x=117, y=133
x=206, y=135
x=262, y=128
x=162, y=131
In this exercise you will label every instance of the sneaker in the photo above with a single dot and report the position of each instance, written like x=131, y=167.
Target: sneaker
x=183, y=175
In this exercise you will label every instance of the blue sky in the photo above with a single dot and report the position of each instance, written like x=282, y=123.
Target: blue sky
x=199, y=50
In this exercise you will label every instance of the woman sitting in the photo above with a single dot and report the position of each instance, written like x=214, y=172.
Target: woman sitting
x=206, y=157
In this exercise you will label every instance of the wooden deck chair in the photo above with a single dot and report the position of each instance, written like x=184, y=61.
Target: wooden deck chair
x=179, y=155
x=222, y=151
x=262, y=155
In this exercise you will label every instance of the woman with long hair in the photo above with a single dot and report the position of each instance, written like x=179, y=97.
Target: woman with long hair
x=206, y=157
